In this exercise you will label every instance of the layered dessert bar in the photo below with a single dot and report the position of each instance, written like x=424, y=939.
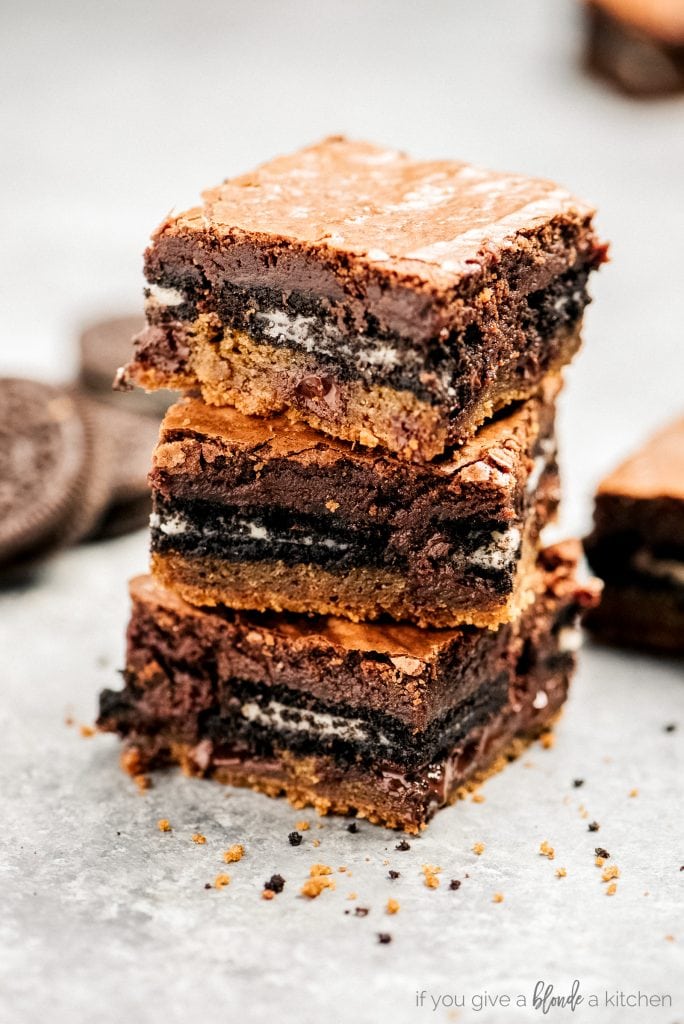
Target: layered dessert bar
x=388, y=722
x=637, y=547
x=637, y=44
x=380, y=299
x=269, y=514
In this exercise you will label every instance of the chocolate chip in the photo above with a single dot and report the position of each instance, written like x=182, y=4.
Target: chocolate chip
x=577, y=783
x=276, y=883
x=600, y=852
x=455, y=883
x=361, y=911
x=295, y=838
x=393, y=874
x=593, y=826
x=384, y=938
x=403, y=845
x=353, y=827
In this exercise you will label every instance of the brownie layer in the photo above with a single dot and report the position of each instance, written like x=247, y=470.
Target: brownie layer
x=637, y=546
x=266, y=514
x=380, y=299
x=638, y=45
x=400, y=716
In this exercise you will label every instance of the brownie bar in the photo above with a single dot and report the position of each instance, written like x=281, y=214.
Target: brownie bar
x=268, y=514
x=380, y=299
x=638, y=45
x=387, y=722
x=637, y=547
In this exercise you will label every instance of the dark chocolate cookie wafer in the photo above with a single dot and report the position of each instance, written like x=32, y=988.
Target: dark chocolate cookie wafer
x=105, y=346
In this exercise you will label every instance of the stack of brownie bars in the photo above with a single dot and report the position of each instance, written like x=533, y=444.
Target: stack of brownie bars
x=348, y=603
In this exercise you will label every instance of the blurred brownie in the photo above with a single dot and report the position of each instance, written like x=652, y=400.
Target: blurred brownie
x=380, y=299
x=637, y=44
x=388, y=722
x=637, y=547
x=268, y=514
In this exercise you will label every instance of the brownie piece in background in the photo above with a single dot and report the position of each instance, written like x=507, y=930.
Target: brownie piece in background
x=380, y=299
x=638, y=45
x=385, y=721
x=637, y=547
x=269, y=514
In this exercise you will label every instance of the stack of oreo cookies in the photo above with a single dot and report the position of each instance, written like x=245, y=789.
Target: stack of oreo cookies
x=348, y=600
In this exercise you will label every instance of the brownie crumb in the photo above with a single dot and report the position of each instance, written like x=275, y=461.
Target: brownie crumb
x=479, y=849
x=545, y=850
x=384, y=938
x=593, y=826
x=393, y=874
x=221, y=881
x=577, y=783
x=455, y=883
x=403, y=845
x=498, y=897
x=670, y=727
x=361, y=911
x=208, y=885
x=295, y=838
x=393, y=907
x=234, y=853
x=164, y=825
x=600, y=852
x=275, y=884
x=352, y=827
x=198, y=838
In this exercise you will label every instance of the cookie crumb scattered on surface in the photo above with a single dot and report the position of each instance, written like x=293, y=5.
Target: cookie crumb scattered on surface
x=198, y=838
x=547, y=740
x=478, y=848
x=295, y=839
x=221, y=881
x=431, y=873
x=477, y=798
x=275, y=884
x=86, y=731
x=315, y=885
x=384, y=938
x=393, y=906
x=164, y=825
x=546, y=850
x=268, y=894
x=612, y=871
x=403, y=845
x=498, y=897
x=611, y=889
x=393, y=874
x=316, y=843
x=208, y=885
x=577, y=783
x=593, y=826
x=361, y=911
x=319, y=869
x=599, y=862
x=302, y=826
x=561, y=872
x=352, y=827
x=633, y=792
x=455, y=883
x=600, y=852
x=352, y=896
x=234, y=853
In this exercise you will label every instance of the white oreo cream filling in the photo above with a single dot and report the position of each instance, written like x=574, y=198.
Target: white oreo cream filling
x=668, y=569
x=275, y=715
x=500, y=552
x=322, y=338
x=166, y=296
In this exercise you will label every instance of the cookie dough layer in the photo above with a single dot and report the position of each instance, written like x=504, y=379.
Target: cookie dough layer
x=637, y=546
x=379, y=299
x=384, y=721
x=265, y=514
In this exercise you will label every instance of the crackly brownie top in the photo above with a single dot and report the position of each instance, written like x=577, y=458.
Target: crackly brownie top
x=431, y=221
x=655, y=471
x=663, y=19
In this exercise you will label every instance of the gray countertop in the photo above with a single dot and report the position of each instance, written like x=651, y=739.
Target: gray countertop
x=113, y=115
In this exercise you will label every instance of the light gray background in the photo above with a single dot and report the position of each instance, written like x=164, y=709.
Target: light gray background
x=112, y=114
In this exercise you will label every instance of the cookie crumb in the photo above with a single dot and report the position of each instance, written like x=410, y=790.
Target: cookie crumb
x=303, y=826
x=392, y=907
x=547, y=740
x=477, y=798
x=143, y=782
x=352, y=827
x=498, y=897
x=403, y=845
x=633, y=792
x=198, y=838
x=431, y=873
x=315, y=885
x=600, y=852
x=295, y=839
x=86, y=731
x=221, y=881
x=275, y=884
x=268, y=894
x=319, y=869
x=545, y=850
x=455, y=883
x=208, y=885
x=561, y=872
x=316, y=843
x=234, y=853
x=361, y=911
x=164, y=825
x=384, y=938
x=611, y=889
x=593, y=826
x=352, y=896
x=599, y=862
x=479, y=849
x=612, y=871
